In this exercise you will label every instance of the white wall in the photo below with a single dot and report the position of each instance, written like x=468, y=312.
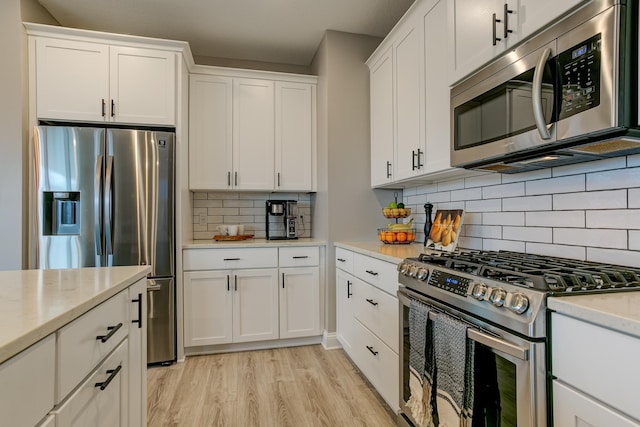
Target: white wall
x=589, y=211
x=346, y=208
x=11, y=142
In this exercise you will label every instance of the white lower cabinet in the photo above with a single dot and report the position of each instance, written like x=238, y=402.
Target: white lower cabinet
x=299, y=302
x=138, y=354
x=367, y=319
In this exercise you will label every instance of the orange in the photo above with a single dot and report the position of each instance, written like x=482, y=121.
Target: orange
x=410, y=237
x=381, y=235
x=401, y=236
x=391, y=236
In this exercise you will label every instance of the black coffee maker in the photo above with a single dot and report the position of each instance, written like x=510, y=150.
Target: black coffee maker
x=281, y=219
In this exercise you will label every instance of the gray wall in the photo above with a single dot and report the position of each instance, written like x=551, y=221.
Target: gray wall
x=346, y=208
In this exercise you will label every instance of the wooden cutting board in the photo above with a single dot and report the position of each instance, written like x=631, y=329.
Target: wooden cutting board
x=232, y=238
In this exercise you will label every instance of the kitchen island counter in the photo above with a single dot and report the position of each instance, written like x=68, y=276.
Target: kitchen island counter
x=36, y=303
x=619, y=311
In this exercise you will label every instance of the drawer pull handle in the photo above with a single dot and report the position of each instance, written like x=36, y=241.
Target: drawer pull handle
x=373, y=273
x=342, y=260
x=139, y=301
x=375, y=353
x=112, y=330
x=349, y=293
x=300, y=257
x=113, y=372
x=231, y=259
x=370, y=301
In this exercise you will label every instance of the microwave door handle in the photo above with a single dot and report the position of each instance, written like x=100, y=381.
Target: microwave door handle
x=536, y=97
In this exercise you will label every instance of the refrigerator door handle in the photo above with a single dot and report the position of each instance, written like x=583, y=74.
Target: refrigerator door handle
x=108, y=209
x=98, y=212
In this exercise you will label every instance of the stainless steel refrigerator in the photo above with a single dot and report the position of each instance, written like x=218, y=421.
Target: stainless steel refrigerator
x=105, y=197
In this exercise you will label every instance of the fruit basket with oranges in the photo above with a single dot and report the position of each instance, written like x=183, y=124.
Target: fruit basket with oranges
x=398, y=236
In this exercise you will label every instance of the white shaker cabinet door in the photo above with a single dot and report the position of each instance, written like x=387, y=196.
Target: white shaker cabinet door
x=255, y=305
x=382, y=111
x=210, y=132
x=293, y=145
x=208, y=296
x=253, y=134
x=72, y=80
x=345, y=310
x=138, y=354
x=299, y=302
x=143, y=85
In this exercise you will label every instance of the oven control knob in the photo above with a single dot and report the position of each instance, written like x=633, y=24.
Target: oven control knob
x=422, y=274
x=479, y=291
x=518, y=303
x=497, y=297
x=413, y=271
x=403, y=267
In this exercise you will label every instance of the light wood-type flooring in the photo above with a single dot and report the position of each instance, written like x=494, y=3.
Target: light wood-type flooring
x=298, y=386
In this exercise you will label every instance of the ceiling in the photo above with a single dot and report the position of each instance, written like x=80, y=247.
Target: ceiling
x=278, y=31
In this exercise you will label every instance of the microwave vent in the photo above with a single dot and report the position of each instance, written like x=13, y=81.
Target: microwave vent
x=497, y=167
x=615, y=146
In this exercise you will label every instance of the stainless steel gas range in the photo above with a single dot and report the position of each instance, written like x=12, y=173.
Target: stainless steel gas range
x=501, y=296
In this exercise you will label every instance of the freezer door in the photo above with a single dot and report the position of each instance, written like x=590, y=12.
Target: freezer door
x=161, y=330
x=67, y=210
x=139, y=199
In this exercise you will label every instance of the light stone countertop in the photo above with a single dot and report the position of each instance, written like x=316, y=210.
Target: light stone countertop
x=251, y=243
x=35, y=303
x=390, y=253
x=619, y=311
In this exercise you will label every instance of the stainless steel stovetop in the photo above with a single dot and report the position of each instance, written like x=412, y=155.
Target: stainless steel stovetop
x=510, y=288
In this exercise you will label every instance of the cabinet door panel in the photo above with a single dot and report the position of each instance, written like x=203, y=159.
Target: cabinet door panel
x=209, y=298
x=143, y=85
x=138, y=354
x=299, y=302
x=535, y=14
x=255, y=305
x=345, y=309
x=293, y=136
x=210, y=132
x=72, y=80
x=253, y=134
x=382, y=110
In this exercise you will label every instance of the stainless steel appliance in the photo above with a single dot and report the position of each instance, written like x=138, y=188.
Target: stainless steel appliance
x=281, y=220
x=105, y=197
x=502, y=297
x=567, y=95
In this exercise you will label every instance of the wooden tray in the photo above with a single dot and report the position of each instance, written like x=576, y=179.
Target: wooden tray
x=232, y=238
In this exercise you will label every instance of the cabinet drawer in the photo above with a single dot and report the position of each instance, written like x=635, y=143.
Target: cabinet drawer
x=216, y=259
x=299, y=257
x=79, y=350
x=90, y=404
x=381, y=274
x=378, y=311
x=601, y=362
x=27, y=384
x=378, y=363
x=344, y=260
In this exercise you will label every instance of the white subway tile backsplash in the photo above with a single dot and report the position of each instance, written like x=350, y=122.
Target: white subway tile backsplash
x=502, y=218
x=633, y=161
x=223, y=196
x=612, y=256
x=528, y=234
x=417, y=200
x=473, y=217
x=237, y=203
x=598, y=165
x=526, y=176
x=199, y=203
x=467, y=194
x=620, y=178
x=483, y=180
x=620, y=219
x=590, y=200
x=427, y=188
x=503, y=190
x=634, y=198
x=223, y=211
x=616, y=239
x=450, y=205
x=484, y=231
x=455, y=184
x=470, y=243
x=529, y=203
x=634, y=241
x=444, y=196
x=199, y=196
x=492, y=205
x=566, y=184
x=555, y=219
x=502, y=245
x=562, y=251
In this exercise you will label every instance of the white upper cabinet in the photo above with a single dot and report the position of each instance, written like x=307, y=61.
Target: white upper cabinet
x=480, y=30
x=294, y=136
x=382, y=133
x=98, y=82
x=251, y=133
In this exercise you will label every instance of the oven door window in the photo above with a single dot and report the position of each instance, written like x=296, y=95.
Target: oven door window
x=504, y=111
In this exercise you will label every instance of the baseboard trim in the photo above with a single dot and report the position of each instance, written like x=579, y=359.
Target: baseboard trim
x=256, y=345
x=330, y=341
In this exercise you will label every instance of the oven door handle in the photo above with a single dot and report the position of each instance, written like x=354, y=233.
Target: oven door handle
x=536, y=95
x=498, y=344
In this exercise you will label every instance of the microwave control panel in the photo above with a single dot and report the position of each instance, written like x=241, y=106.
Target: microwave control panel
x=579, y=73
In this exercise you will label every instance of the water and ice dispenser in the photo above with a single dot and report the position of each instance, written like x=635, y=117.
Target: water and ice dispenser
x=61, y=213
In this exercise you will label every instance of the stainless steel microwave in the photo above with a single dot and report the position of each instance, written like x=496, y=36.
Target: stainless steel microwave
x=567, y=95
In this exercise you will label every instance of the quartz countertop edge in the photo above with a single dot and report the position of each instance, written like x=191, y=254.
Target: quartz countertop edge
x=36, y=303
x=619, y=311
x=251, y=243
x=389, y=253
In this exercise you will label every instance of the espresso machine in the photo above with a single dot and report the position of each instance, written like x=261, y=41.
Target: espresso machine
x=281, y=219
